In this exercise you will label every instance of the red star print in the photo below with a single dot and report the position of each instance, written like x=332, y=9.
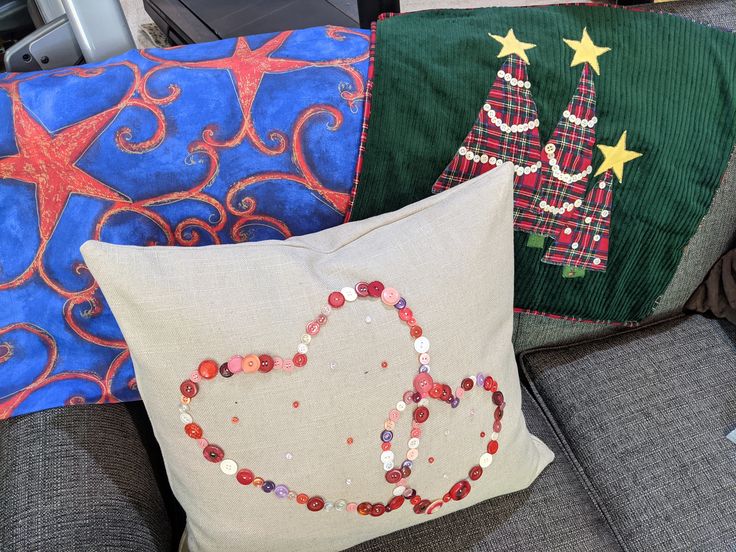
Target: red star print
x=48, y=162
x=247, y=67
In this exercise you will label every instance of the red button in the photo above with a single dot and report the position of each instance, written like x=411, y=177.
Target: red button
x=497, y=398
x=188, y=388
x=208, y=369
x=498, y=414
x=315, y=504
x=336, y=299
x=436, y=391
x=405, y=471
x=416, y=331
x=393, y=476
x=475, y=473
x=378, y=510
x=266, y=363
x=364, y=508
x=213, y=453
x=460, y=490
x=301, y=498
x=245, y=477
x=193, y=430
x=299, y=360
x=396, y=502
x=446, y=393
x=405, y=314
x=416, y=499
x=488, y=383
x=375, y=289
x=421, y=414
x=361, y=288
x=467, y=384
x=492, y=447
x=422, y=506
x=225, y=370
x=423, y=382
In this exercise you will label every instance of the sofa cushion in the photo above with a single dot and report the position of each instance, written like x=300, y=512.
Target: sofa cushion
x=554, y=514
x=315, y=420
x=646, y=413
x=79, y=479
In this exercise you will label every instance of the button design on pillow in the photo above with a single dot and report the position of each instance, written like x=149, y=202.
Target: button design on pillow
x=415, y=400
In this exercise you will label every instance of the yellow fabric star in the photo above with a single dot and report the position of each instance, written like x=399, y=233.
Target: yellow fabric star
x=615, y=157
x=586, y=51
x=512, y=45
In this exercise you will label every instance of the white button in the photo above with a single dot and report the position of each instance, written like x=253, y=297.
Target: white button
x=578, y=202
x=565, y=204
x=185, y=418
x=507, y=77
x=565, y=114
x=596, y=238
x=462, y=150
x=574, y=245
x=604, y=213
x=527, y=170
x=527, y=85
x=570, y=207
x=601, y=185
x=326, y=310
x=499, y=162
x=413, y=443
x=484, y=158
x=485, y=460
x=513, y=82
x=514, y=128
x=500, y=74
x=486, y=107
x=349, y=294
x=302, y=348
x=519, y=170
x=494, y=436
x=577, y=120
x=568, y=231
x=594, y=120
x=421, y=345
x=542, y=204
x=469, y=155
x=388, y=466
x=412, y=454
x=588, y=220
x=492, y=160
x=387, y=456
x=596, y=261
x=228, y=467
x=306, y=338
x=476, y=158
x=584, y=123
x=589, y=169
x=505, y=127
x=398, y=491
x=401, y=406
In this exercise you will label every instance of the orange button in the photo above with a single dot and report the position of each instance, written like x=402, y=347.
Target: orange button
x=251, y=363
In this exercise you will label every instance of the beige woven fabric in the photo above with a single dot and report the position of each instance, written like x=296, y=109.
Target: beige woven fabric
x=450, y=256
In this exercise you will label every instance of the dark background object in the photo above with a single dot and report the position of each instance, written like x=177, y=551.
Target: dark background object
x=188, y=21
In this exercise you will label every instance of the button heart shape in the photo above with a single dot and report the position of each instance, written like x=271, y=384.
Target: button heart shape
x=424, y=389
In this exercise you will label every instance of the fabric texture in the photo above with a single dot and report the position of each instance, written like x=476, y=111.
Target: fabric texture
x=79, y=479
x=237, y=140
x=646, y=413
x=554, y=514
x=318, y=429
x=416, y=99
x=717, y=294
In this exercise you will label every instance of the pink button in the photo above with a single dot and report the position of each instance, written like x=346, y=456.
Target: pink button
x=235, y=364
x=322, y=319
x=424, y=358
x=195, y=377
x=407, y=397
x=423, y=382
x=352, y=506
x=416, y=432
x=459, y=392
x=203, y=443
x=288, y=366
x=313, y=328
x=394, y=415
x=390, y=296
x=278, y=363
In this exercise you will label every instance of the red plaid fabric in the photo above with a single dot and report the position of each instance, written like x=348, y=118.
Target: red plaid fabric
x=583, y=240
x=498, y=136
x=567, y=165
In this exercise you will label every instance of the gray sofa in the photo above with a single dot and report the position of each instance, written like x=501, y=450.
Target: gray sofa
x=637, y=420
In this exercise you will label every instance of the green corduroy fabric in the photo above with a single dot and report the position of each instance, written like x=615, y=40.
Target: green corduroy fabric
x=667, y=81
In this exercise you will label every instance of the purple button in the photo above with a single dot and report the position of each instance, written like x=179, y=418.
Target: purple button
x=454, y=402
x=268, y=486
x=386, y=436
x=479, y=379
x=401, y=303
x=281, y=491
x=424, y=368
x=407, y=464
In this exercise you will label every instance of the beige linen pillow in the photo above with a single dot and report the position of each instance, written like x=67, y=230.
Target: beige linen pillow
x=308, y=458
